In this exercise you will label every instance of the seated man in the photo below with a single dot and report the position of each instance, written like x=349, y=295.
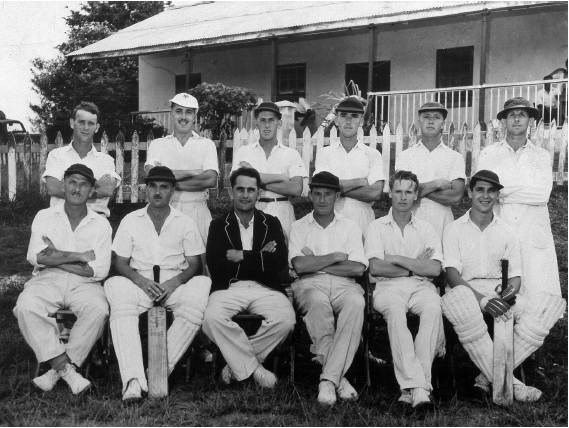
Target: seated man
x=473, y=247
x=326, y=251
x=246, y=250
x=155, y=235
x=70, y=249
x=404, y=254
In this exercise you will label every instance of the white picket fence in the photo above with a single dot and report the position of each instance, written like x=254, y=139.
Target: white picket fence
x=467, y=142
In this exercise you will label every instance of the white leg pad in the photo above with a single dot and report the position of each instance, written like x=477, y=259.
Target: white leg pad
x=126, y=340
x=462, y=310
x=534, y=324
x=188, y=318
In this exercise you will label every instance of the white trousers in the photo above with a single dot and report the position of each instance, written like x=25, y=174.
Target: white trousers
x=282, y=210
x=333, y=311
x=128, y=301
x=412, y=360
x=360, y=212
x=44, y=295
x=197, y=211
x=244, y=354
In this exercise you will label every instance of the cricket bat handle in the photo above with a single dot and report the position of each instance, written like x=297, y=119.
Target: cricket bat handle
x=156, y=271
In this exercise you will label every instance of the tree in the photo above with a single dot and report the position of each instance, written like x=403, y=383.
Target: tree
x=218, y=103
x=111, y=83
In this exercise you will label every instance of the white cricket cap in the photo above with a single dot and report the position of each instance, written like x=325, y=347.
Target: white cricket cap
x=185, y=100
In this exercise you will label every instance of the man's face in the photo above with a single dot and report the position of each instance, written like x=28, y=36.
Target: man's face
x=267, y=123
x=84, y=126
x=77, y=189
x=348, y=123
x=158, y=193
x=484, y=195
x=517, y=122
x=431, y=123
x=402, y=195
x=183, y=118
x=245, y=193
x=323, y=200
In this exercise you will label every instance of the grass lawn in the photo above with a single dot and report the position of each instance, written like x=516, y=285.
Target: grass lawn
x=211, y=403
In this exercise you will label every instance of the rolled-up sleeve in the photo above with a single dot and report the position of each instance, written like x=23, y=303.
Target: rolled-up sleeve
x=123, y=242
x=376, y=167
x=153, y=153
x=457, y=170
x=111, y=170
x=451, y=248
x=210, y=157
x=193, y=242
x=36, y=244
x=102, y=248
x=296, y=241
x=296, y=166
x=53, y=167
x=355, y=247
x=322, y=160
x=374, y=248
x=434, y=241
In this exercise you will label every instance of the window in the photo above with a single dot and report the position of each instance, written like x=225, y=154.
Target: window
x=381, y=78
x=291, y=82
x=380, y=81
x=454, y=68
x=195, y=80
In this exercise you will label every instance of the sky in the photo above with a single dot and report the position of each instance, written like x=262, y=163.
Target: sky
x=27, y=30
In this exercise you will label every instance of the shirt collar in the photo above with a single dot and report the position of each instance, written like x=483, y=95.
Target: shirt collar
x=529, y=144
x=337, y=216
x=440, y=145
x=241, y=224
x=258, y=144
x=144, y=212
x=338, y=144
x=466, y=219
x=93, y=150
x=387, y=219
x=60, y=210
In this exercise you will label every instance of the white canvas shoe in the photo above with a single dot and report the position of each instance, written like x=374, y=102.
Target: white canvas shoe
x=76, y=382
x=406, y=396
x=133, y=392
x=227, y=375
x=525, y=393
x=346, y=392
x=326, y=393
x=421, y=397
x=47, y=381
x=264, y=378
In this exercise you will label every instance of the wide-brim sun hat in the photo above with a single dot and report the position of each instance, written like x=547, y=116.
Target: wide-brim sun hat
x=518, y=103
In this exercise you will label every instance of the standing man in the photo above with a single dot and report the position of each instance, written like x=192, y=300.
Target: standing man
x=525, y=172
x=326, y=251
x=474, y=245
x=405, y=254
x=192, y=159
x=359, y=167
x=155, y=235
x=281, y=168
x=439, y=169
x=70, y=249
x=246, y=250
x=85, y=123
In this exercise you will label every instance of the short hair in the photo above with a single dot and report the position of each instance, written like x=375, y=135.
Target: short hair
x=401, y=174
x=248, y=172
x=88, y=107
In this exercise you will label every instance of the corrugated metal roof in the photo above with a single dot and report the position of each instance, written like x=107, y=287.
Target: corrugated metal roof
x=224, y=22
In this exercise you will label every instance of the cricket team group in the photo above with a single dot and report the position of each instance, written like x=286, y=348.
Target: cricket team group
x=211, y=270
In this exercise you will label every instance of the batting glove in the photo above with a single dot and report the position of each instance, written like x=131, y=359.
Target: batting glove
x=498, y=308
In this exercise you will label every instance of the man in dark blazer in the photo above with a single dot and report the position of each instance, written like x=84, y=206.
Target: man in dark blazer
x=245, y=251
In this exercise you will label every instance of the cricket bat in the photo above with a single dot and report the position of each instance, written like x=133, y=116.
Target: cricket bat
x=503, y=382
x=157, y=348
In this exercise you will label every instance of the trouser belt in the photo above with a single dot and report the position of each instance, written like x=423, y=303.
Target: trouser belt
x=284, y=198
